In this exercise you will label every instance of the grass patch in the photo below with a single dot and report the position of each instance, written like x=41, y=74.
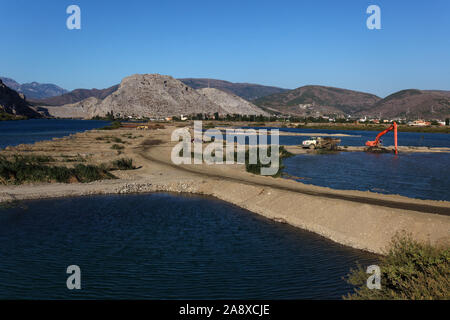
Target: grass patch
x=117, y=140
x=113, y=126
x=256, y=168
x=77, y=158
x=117, y=147
x=130, y=136
x=152, y=142
x=123, y=164
x=24, y=169
x=410, y=270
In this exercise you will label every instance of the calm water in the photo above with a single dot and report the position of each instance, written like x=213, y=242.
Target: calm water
x=13, y=133
x=415, y=175
x=164, y=246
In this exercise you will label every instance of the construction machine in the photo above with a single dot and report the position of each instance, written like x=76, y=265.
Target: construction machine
x=375, y=146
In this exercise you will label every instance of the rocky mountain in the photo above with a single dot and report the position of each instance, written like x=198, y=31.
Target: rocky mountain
x=247, y=91
x=231, y=103
x=413, y=104
x=34, y=90
x=148, y=95
x=11, y=102
x=244, y=90
x=75, y=96
x=317, y=100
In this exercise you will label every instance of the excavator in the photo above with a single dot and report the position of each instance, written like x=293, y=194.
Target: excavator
x=375, y=145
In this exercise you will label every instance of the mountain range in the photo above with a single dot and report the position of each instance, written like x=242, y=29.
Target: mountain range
x=75, y=96
x=320, y=100
x=34, y=90
x=156, y=96
x=413, y=104
x=246, y=91
x=311, y=100
x=317, y=100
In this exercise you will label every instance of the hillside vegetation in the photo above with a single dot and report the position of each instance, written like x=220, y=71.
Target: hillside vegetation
x=410, y=270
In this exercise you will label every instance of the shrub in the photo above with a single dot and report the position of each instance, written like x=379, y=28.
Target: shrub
x=410, y=270
x=256, y=168
x=117, y=147
x=112, y=126
x=28, y=169
x=124, y=164
x=118, y=140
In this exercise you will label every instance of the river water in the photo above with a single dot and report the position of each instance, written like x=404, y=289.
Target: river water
x=13, y=133
x=164, y=246
x=416, y=175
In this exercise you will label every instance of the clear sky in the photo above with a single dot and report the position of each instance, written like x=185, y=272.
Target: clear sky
x=281, y=43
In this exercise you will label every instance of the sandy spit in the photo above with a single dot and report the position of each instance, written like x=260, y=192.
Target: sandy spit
x=362, y=220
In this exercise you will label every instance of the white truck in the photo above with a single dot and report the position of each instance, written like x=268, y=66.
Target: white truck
x=321, y=143
x=310, y=143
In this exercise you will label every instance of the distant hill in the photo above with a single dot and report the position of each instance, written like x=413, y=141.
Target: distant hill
x=142, y=95
x=76, y=96
x=413, y=103
x=34, y=90
x=317, y=100
x=155, y=96
x=14, y=103
x=247, y=91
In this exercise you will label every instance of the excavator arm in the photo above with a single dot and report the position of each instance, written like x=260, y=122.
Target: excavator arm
x=376, y=142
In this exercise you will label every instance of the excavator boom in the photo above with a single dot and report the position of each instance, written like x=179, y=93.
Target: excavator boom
x=376, y=142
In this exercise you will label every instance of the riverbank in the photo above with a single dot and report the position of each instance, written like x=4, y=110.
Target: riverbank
x=362, y=220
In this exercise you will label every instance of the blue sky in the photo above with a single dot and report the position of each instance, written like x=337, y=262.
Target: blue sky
x=280, y=43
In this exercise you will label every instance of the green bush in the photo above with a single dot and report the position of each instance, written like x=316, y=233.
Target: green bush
x=256, y=168
x=31, y=169
x=118, y=140
x=112, y=126
x=410, y=270
x=117, y=147
x=123, y=164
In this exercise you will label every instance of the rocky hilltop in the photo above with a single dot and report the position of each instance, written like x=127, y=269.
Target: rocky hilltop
x=413, y=103
x=315, y=100
x=148, y=95
x=231, y=103
x=13, y=103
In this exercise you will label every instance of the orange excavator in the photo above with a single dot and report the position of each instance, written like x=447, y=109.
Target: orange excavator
x=376, y=144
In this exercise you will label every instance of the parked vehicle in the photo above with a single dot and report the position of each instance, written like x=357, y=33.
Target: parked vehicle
x=321, y=143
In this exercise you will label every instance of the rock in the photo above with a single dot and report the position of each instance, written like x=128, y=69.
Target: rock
x=148, y=95
x=13, y=103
